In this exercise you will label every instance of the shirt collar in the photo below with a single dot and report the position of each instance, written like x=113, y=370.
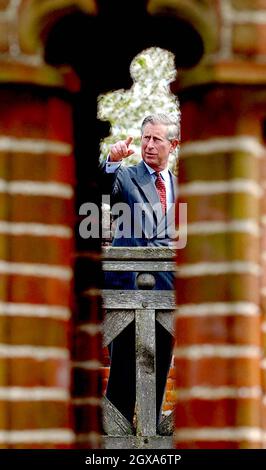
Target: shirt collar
x=164, y=172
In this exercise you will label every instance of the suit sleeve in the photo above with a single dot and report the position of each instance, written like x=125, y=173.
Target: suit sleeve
x=111, y=182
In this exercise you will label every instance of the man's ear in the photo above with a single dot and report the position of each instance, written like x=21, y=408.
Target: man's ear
x=174, y=144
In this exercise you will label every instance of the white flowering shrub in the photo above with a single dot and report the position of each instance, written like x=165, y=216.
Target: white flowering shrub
x=152, y=71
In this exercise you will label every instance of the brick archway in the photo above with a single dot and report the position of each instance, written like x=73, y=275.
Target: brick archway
x=36, y=16
x=36, y=137
x=100, y=70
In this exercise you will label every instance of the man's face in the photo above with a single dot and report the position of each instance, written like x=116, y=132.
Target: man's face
x=155, y=147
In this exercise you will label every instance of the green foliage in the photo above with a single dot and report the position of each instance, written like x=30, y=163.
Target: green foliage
x=152, y=71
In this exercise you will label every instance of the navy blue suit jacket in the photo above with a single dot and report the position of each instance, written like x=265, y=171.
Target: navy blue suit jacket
x=142, y=222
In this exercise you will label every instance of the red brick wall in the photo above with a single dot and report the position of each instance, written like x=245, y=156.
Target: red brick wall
x=218, y=323
x=221, y=287
x=36, y=179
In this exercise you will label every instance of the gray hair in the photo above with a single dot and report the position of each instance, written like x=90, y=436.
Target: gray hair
x=173, y=126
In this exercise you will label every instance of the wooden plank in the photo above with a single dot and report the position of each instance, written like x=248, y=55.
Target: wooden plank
x=138, y=442
x=114, y=322
x=134, y=299
x=166, y=426
x=145, y=373
x=166, y=319
x=114, y=423
x=138, y=252
x=146, y=266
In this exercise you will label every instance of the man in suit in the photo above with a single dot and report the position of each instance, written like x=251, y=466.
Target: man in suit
x=148, y=189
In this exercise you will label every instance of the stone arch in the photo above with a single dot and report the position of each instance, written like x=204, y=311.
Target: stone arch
x=102, y=68
x=198, y=14
x=195, y=22
x=63, y=31
x=36, y=16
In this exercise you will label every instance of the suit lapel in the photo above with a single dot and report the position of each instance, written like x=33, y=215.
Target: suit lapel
x=145, y=183
x=174, y=184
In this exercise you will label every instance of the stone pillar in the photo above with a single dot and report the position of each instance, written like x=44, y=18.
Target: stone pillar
x=218, y=322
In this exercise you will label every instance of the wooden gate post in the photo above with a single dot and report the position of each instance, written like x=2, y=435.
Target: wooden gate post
x=145, y=373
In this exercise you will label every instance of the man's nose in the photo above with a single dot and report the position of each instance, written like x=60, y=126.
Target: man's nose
x=150, y=143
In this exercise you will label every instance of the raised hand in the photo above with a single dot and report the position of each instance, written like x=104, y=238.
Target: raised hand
x=121, y=150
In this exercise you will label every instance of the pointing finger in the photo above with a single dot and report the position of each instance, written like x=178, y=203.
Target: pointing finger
x=128, y=141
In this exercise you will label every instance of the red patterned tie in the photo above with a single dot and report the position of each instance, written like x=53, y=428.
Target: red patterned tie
x=160, y=185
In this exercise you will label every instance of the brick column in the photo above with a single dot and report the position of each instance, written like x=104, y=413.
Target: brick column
x=263, y=297
x=36, y=246
x=218, y=322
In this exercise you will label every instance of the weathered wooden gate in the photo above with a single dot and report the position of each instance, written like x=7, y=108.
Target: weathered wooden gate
x=146, y=306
